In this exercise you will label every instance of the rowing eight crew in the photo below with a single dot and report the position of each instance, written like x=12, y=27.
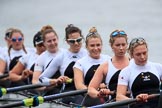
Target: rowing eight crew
x=143, y=71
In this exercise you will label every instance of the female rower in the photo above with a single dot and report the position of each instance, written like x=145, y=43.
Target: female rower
x=65, y=61
x=15, y=51
x=50, y=40
x=110, y=69
x=141, y=76
x=85, y=67
x=23, y=70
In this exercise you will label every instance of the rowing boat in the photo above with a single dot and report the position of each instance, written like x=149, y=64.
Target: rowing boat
x=55, y=103
x=26, y=98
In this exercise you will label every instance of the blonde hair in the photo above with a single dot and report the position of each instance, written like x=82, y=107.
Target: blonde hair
x=92, y=34
x=47, y=29
x=113, y=37
x=16, y=31
x=134, y=43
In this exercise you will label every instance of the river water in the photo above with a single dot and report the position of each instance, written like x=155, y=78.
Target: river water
x=139, y=18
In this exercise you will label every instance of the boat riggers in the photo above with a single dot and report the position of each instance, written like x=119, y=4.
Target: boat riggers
x=4, y=91
x=4, y=76
x=121, y=103
x=36, y=100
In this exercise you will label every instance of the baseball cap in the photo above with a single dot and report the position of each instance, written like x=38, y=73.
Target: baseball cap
x=8, y=32
x=37, y=38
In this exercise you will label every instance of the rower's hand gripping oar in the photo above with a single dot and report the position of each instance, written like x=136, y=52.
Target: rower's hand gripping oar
x=121, y=103
x=36, y=100
x=4, y=91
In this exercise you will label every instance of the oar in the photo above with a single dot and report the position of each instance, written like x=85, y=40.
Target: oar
x=35, y=101
x=121, y=103
x=64, y=94
x=4, y=76
x=4, y=91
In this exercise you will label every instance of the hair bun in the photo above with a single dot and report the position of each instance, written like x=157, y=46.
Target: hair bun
x=47, y=27
x=69, y=26
x=93, y=30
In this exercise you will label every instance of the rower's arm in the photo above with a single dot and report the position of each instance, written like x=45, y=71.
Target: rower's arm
x=2, y=66
x=16, y=73
x=79, y=79
x=121, y=93
x=36, y=75
x=97, y=80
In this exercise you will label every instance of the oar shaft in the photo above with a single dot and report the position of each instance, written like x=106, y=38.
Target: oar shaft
x=115, y=104
x=25, y=87
x=15, y=104
x=61, y=95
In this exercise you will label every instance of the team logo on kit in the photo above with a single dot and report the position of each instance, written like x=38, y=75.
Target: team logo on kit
x=145, y=76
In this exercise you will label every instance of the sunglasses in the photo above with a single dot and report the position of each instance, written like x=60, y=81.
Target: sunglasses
x=72, y=41
x=116, y=33
x=15, y=39
x=92, y=33
x=137, y=41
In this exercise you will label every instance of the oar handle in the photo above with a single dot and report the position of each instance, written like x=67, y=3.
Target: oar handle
x=112, y=92
x=153, y=95
x=4, y=76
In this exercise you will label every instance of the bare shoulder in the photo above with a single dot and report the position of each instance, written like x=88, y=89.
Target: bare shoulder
x=104, y=68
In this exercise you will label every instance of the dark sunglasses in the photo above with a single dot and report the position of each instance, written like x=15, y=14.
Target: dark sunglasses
x=116, y=33
x=72, y=41
x=15, y=39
